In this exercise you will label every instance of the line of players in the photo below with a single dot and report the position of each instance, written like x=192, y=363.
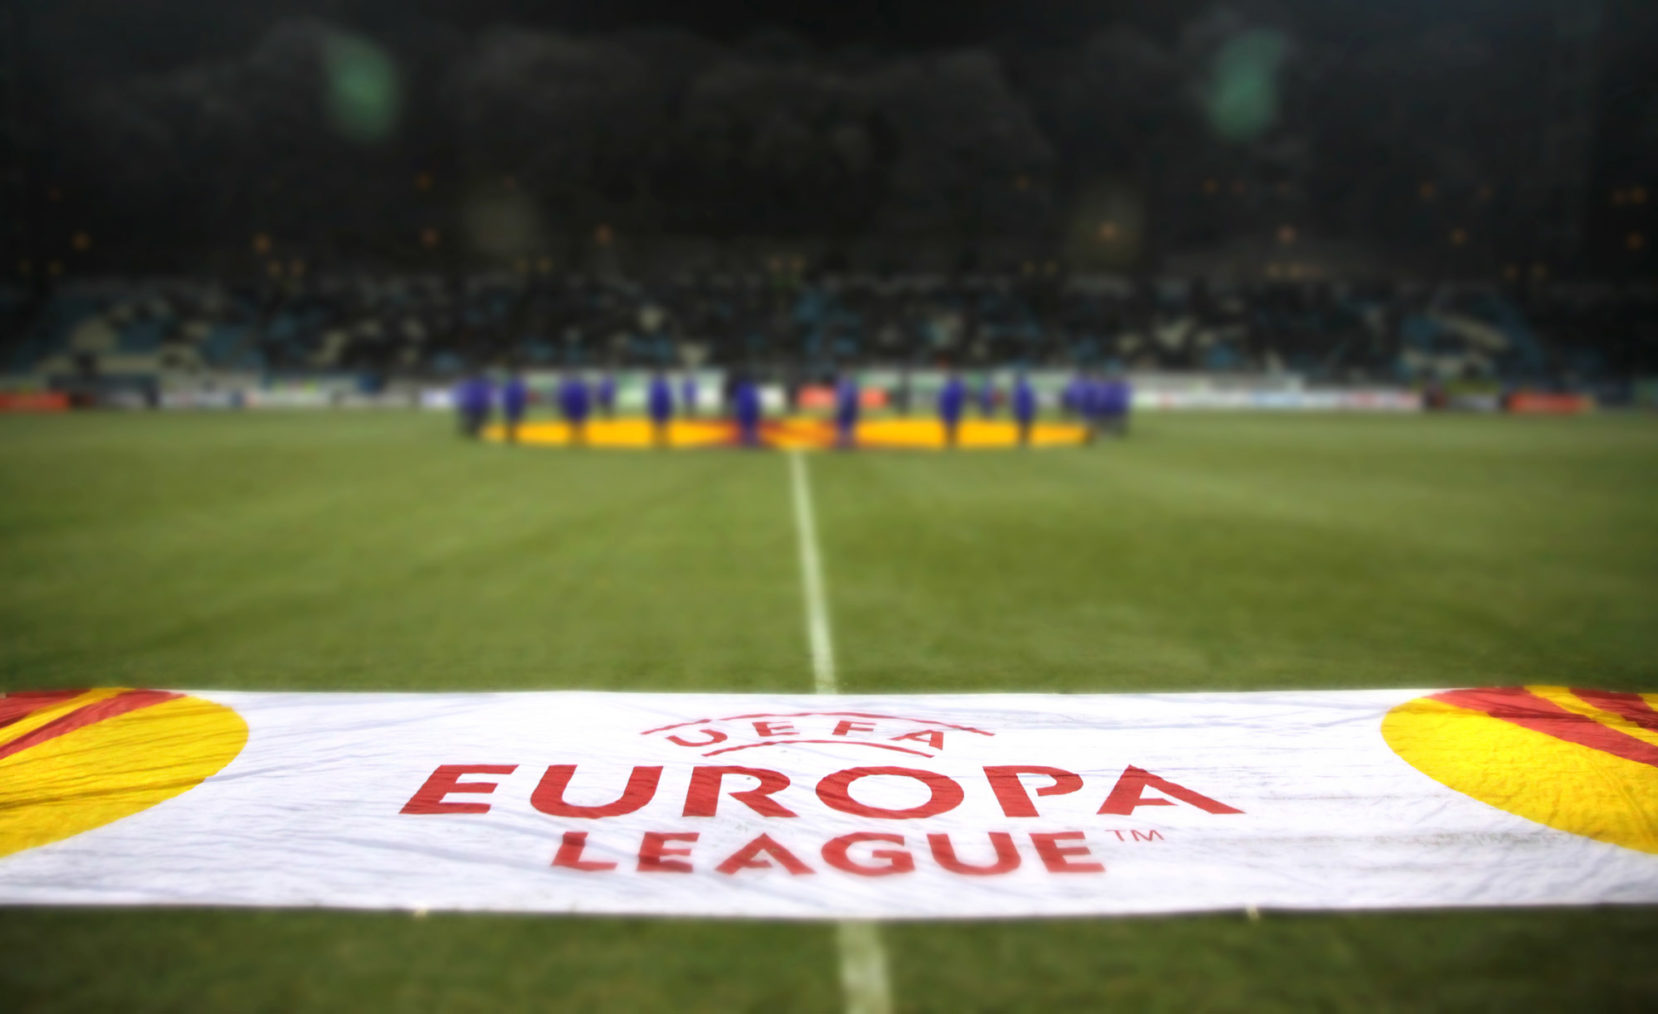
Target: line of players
x=1102, y=403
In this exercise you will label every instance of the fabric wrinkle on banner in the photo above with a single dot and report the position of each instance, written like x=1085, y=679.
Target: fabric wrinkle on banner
x=843, y=807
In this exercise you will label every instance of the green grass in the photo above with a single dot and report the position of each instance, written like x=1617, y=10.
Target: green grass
x=375, y=551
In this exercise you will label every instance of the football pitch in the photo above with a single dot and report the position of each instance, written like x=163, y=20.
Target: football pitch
x=358, y=551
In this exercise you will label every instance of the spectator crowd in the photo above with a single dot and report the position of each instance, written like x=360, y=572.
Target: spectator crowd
x=435, y=326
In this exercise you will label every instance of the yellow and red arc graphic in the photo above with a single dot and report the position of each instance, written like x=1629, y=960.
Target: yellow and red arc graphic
x=1583, y=761
x=73, y=760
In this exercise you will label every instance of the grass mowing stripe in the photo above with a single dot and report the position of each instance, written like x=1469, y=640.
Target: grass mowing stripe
x=863, y=961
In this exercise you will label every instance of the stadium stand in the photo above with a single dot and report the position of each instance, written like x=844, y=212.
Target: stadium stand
x=430, y=325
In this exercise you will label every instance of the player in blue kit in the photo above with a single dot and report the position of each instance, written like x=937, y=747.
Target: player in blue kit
x=515, y=400
x=846, y=412
x=472, y=397
x=745, y=408
x=659, y=401
x=1024, y=407
x=575, y=404
x=952, y=398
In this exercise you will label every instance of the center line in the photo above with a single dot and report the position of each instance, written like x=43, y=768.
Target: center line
x=863, y=961
x=811, y=578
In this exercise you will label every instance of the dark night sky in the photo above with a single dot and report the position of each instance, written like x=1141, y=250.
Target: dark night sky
x=100, y=39
x=153, y=76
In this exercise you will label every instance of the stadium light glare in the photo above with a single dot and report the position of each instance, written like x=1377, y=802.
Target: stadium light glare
x=1242, y=98
x=362, y=94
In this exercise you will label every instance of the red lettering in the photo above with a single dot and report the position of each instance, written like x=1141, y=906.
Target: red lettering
x=946, y=794
x=548, y=796
x=654, y=853
x=570, y=850
x=1128, y=794
x=714, y=736
x=1057, y=857
x=1007, y=855
x=446, y=779
x=774, y=729
x=848, y=725
x=893, y=860
x=703, y=795
x=749, y=857
x=932, y=737
x=1152, y=835
x=1010, y=791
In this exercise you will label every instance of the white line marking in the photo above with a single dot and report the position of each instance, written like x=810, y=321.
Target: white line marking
x=863, y=960
x=811, y=579
x=863, y=968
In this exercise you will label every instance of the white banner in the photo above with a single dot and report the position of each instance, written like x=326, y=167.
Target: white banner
x=1331, y=399
x=803, y=806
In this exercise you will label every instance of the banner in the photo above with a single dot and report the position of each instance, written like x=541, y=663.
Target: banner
x=1545, y=403
x=1279, y=400
x=816, y=806
x=33, y=401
